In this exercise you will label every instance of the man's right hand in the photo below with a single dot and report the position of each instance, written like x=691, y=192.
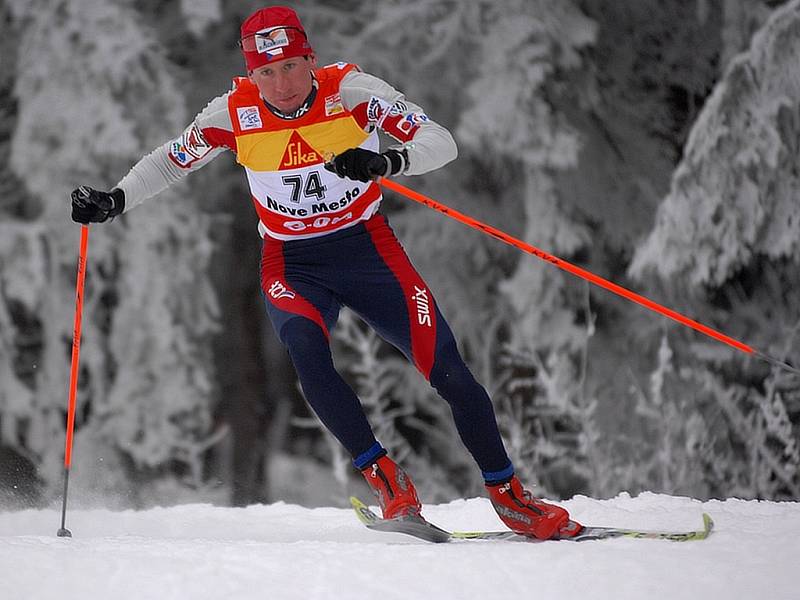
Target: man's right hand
x=93, y=206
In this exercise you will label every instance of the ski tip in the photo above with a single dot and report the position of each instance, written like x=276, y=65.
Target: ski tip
x=364, y=514
x=708, y=523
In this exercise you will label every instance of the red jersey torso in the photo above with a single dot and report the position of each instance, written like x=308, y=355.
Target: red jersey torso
x=294, y=195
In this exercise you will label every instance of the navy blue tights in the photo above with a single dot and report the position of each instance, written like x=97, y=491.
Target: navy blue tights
x=340, y=410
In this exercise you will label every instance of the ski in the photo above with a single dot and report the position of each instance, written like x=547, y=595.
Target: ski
x=414, y=525
x=420, y=528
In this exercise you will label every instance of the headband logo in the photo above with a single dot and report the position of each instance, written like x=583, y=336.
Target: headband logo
x=271, y=41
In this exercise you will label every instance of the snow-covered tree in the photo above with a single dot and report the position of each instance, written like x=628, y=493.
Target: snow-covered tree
x=734, y=195
x=726, y=237
x=94, y=92
x=526, y=49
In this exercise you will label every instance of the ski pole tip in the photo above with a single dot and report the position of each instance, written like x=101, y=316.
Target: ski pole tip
x=64, y=532
x=781, y=364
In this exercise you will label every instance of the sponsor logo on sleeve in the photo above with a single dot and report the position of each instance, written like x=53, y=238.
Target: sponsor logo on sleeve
x=411, y=122
x=377, y=109
x=249, y=118
x=191, y=146
x=406, y=125
x=194, y=142
x=177, y=152
x=398, y=108
x=401, y=127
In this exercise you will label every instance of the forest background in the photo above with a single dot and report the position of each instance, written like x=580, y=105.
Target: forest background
x=653, y=143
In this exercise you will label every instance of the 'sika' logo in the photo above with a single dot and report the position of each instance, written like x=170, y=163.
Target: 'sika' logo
x=299, y=153
x=277, y=290
x=420, y=298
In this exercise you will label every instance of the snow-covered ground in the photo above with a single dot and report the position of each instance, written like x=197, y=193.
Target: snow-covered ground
x=284, y=551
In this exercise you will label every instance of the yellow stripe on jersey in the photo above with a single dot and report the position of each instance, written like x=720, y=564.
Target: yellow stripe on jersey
x=267, y=150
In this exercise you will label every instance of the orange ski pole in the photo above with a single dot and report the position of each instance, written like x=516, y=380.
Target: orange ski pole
x=73, y=376
x=584, y=274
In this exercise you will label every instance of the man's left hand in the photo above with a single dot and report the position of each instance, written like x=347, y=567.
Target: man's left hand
x=358, y=164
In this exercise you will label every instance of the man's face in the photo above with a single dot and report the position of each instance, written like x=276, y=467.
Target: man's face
x=286, y=83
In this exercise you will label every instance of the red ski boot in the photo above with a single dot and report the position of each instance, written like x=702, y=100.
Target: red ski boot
x=524, y=514
x=393, y=487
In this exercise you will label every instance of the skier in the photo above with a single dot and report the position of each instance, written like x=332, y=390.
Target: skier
x=307, y=139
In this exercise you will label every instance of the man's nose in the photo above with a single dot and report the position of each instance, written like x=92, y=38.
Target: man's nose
x=282, y=83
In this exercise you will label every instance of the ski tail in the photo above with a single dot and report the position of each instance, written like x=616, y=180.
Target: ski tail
x=601, y=533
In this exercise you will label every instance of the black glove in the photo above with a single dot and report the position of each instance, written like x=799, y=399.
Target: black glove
x=93, y=206
x=364, y=165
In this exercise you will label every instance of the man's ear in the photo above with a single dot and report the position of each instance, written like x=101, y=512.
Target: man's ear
x=312, y=58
